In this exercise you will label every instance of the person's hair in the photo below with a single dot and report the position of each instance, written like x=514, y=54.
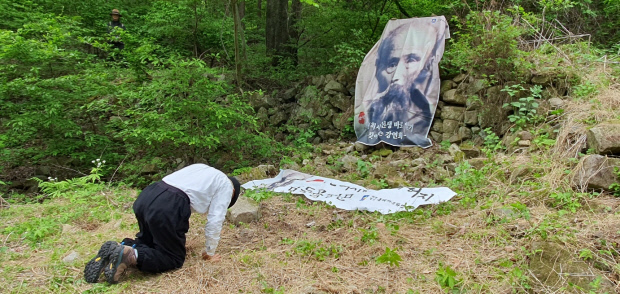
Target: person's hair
x=237, y=187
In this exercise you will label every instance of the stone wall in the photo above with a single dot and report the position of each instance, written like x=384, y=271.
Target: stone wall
x=324, y=102
x=467, y=105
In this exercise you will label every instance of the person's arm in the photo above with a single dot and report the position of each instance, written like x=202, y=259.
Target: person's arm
x=215, y=219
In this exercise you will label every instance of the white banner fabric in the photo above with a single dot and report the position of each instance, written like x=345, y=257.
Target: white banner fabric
x=349, y=196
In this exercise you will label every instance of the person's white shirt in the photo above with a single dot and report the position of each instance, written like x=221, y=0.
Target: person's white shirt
x=210, y=191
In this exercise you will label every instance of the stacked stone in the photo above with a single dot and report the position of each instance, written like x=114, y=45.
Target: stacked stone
x=325, y=101
x=598, y=171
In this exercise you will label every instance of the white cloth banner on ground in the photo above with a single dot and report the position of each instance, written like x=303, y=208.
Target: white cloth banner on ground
x=349, y=196
x=397, y=86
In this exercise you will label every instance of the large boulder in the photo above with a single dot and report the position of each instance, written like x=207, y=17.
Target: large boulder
x=471, y=117
x=308, y=95
x=543, y=80
x=244, y=211
x=473, y=104
x=149, y=169
x=446, y=85
x=476, y=86
x=491, y=115
x=349, y=162
x=359, y=147
x=437, y=126
x=556, y=102
x=557, y=268
x=453, y=97
x=262, y=116
x=437, y=136
x=450, y=126
x=71, y=258
x=318, y=81
x=459, y=78
x=333, y=85
x=341, y=101
x=328, y=134
x=258, y=100
x=604, y=138
x=258, y=173
x=278, y=118
x=341, y=120
x=453, y=112
x=494, y=93
x=461, y=135
x=597, y=172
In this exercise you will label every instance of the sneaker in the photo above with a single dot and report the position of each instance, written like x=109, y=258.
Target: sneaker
x=121, y=258
x=95, y=266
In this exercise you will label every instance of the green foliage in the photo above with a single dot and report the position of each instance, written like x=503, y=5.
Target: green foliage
x=518, y=276
x=381, y=183
x=271, y=290
x=348, y=128
x=445, y=145
x=58, y=99
x=350, y=53
x=467, y=179
x=35, y=230
x=570, y=201
x=584, y=90
x=314, y=248
x=524, y=110
x=239, y=171
x=492, y=142
x=86, y=185
x=446, y=277
x=543, y=141
x=369, y=236
x=486, y=42
x=551, y=225
x=188, y=27
x=74, y=201
x=390, y=257
x=363, y=168
x=258, y=195
x=615, y=187
x=586, y=254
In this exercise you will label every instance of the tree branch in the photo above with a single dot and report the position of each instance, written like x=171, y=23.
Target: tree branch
x=401, y=9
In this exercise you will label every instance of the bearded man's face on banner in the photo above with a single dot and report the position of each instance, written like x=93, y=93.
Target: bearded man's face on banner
x=404, y=59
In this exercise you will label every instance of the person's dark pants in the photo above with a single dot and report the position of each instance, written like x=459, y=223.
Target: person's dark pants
x=118, y=45
x=163, y=215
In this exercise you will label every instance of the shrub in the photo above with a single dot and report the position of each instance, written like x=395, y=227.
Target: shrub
x=487, y=42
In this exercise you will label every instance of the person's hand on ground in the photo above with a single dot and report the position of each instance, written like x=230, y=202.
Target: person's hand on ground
x=212, y=258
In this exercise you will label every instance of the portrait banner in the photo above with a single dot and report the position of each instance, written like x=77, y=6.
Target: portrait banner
x=397, y=86
x=349, y=196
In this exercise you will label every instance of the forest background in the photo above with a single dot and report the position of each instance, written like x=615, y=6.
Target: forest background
x=84, y=127
x=180, y=88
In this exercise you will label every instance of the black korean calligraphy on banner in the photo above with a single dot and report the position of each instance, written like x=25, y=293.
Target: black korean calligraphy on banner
x=350, y=196
x=397, y=87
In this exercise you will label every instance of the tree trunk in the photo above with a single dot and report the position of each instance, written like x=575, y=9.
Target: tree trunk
x=242, y=12
x=259, y=12
x=244, y=56
x=236, y=21
x=276, y=29
x=293, y=46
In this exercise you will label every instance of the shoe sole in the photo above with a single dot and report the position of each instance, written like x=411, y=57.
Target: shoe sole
x=116, y=257
x=95, y=266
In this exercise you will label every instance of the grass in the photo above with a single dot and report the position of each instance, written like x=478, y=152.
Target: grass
x=483, y=241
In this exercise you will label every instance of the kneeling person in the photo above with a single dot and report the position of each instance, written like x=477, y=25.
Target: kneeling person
x=163, y=210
